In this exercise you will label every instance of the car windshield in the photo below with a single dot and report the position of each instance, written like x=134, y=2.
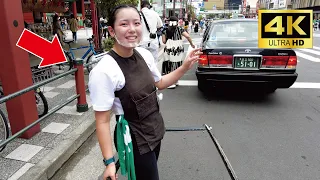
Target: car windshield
x=234, y=34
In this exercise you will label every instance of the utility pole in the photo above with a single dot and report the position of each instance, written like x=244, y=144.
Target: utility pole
x=164, y=9
x=180, y=14
x=174, y=7
x=186, y=12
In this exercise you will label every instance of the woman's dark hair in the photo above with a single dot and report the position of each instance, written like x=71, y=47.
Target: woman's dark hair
x=71, y=16
x=115, y=10
x=173, y=18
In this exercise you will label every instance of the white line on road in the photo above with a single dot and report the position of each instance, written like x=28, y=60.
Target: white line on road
x=301, y=85
x=311, y=51
x=307, y=57
x=315, y=47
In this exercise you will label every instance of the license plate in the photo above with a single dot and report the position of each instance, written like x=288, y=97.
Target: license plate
x=246, y=62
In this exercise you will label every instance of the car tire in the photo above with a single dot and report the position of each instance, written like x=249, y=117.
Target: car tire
x=271, y=90
x=202, y=85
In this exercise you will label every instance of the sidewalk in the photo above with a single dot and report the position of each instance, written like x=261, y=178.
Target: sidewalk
x=61, y=134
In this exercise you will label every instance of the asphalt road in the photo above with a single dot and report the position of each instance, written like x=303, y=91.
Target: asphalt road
x=274, y=137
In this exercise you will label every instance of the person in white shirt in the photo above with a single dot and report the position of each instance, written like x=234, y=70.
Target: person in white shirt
x=125, y=82
x=149, y=37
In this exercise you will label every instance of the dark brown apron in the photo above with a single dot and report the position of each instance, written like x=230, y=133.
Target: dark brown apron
x=140, y=102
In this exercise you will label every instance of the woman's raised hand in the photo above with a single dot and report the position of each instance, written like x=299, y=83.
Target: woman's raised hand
x=192, y=58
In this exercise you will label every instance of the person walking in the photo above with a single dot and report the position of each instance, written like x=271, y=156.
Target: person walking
x=174, y=49
x=196, y=27
x=56, y=28
x=125, y=81
x=151, y=22
x=74, y=27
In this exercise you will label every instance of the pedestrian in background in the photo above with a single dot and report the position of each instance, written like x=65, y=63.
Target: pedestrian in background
x=174, y=49
x=56, y=28
x=151, y=22
x=74, y=27
x=125, y=82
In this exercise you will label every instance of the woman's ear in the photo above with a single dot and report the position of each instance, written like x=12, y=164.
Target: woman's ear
x=111, y=31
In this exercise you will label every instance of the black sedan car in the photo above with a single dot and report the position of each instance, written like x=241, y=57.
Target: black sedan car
x=231, y=58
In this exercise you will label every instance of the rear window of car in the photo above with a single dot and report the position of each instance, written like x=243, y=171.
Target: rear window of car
x=234, y=34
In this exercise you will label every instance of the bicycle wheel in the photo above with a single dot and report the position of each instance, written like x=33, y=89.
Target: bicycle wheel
x=63, y=67
x=89, y=59
x=42, y=103
x=4, y=129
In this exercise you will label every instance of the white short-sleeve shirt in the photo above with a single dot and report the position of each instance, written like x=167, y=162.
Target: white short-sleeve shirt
x=107, y=77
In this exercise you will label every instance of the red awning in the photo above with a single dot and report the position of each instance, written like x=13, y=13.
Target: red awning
x=45, y=6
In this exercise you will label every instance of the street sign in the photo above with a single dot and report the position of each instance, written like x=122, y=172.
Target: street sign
x=285, y=29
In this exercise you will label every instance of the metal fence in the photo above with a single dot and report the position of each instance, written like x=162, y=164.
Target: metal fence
x=38, y=76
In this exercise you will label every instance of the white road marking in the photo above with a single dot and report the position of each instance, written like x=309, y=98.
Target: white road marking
x=50, y=94
x=307, y=57
x=311, y=51
x=315, y=47
x=55, y=128
x=306, y=85
x=24, y=152
x=68, y=84
x=47, y=88
x=71, y=110
x=316, y=35
x=21, y=171
x=301, y=85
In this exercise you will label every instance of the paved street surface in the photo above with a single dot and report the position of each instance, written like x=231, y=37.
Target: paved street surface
x=273, y=137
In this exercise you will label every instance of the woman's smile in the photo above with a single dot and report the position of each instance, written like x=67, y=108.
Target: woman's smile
x=132, y=38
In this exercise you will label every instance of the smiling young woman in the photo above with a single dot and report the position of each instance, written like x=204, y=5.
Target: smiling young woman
x=125, y=82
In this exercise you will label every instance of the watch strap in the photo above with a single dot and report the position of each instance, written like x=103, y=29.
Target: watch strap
x=108, y=161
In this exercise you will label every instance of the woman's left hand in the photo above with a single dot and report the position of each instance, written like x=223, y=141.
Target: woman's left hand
x=191, y=58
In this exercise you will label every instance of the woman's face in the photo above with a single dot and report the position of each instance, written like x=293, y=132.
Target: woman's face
x=127, y=28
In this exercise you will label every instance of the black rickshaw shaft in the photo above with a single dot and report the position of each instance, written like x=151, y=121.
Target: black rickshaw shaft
x=222, y=154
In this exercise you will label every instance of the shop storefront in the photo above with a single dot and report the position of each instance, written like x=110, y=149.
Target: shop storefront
x=38, y=15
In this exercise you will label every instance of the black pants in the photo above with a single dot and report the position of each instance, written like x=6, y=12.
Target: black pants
x=146, y=166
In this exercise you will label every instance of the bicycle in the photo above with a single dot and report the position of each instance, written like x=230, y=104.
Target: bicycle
x=71, y=57
x=40, y=101
x=4, y=126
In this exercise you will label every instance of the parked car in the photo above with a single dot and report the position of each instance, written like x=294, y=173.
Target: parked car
x=231, y=58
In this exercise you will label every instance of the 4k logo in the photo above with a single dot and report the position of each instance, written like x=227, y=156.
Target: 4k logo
x=285, y=29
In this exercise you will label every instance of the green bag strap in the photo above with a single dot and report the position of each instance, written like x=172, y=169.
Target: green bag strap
x=125, y=149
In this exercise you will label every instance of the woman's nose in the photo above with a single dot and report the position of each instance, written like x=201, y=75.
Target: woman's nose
x=132, y=28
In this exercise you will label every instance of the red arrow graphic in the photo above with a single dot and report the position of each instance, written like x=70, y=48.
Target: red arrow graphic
x=50, y=53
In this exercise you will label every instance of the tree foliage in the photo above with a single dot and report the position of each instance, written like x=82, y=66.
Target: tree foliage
x=105, y=6
x=191, y=12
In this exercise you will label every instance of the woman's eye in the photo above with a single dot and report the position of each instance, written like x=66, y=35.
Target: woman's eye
x=138, y=23
x=123, y=24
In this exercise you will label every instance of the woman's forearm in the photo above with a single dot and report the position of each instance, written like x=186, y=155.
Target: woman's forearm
x=171, y=78
x=190, y=40
x=104, y=135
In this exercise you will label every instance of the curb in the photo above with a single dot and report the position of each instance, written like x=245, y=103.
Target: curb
x=54, y=160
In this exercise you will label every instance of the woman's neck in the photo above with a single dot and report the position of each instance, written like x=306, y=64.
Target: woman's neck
x=122, y=51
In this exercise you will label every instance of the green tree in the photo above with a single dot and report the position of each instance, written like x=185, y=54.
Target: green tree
x=191, y=12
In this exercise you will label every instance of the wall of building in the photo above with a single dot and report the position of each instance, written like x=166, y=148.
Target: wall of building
x=219, y=4
x=305, y=3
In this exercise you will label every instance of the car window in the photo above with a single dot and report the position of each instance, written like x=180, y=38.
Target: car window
x=234, y=34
